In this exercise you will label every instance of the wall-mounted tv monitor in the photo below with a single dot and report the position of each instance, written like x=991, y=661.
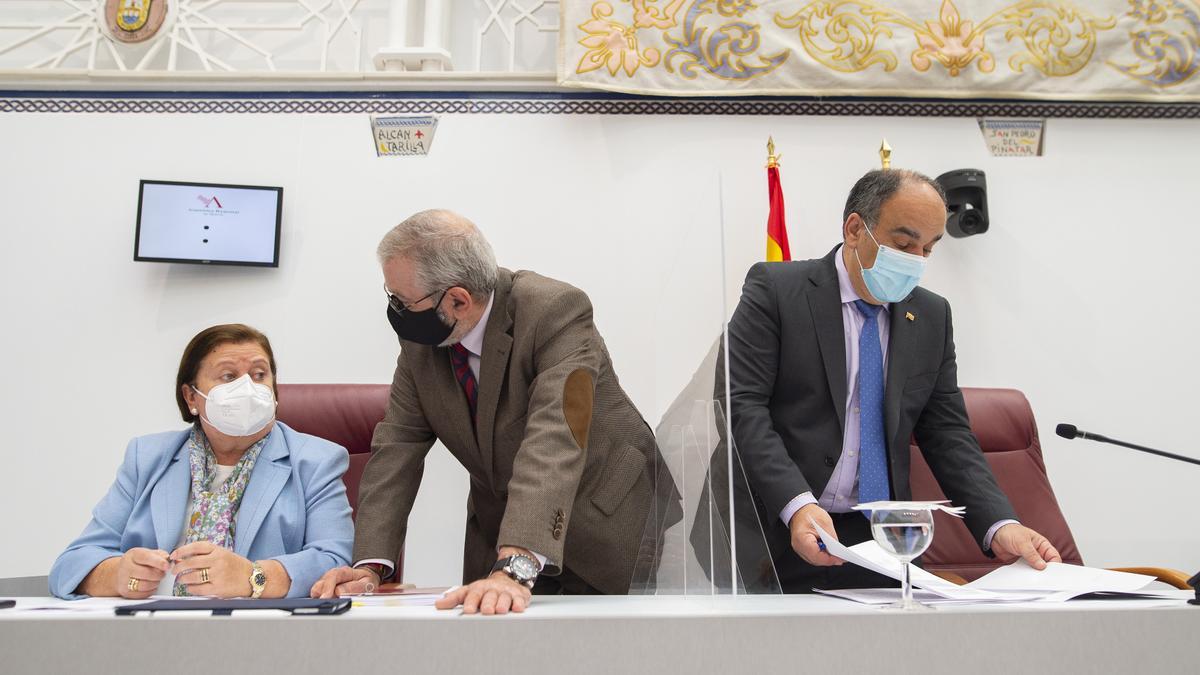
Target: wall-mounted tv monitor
x=208, y=223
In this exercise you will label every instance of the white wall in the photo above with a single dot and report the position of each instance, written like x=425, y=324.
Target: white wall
x=1078, y=295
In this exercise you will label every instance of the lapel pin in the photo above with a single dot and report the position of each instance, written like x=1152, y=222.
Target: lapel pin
x=910, y=316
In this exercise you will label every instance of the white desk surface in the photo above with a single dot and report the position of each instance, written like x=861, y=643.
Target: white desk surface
x=669, y=635
x=619, y=607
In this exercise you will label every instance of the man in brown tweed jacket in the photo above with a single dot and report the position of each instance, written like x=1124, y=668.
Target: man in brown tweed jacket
x=508, y=371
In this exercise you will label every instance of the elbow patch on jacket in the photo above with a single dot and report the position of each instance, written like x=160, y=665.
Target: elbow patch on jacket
x=577, y=405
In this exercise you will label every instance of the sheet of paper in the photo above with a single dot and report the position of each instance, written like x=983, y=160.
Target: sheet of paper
x=942, y=505
x=1059, y=578
x=878, y=596
x=887, y=596
x=395, y=600
x=401, y=597
x=86, y=605
x=868, y=554
x=1063, y=596
x=836, y=549
x=409, y=590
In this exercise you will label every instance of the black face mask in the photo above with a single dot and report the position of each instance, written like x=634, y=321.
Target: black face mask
x=424, y=327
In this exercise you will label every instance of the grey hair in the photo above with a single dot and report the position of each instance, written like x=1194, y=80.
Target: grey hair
x=876, y=187
x=446, y=250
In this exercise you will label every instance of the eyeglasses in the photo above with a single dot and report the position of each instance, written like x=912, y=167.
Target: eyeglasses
x=398, y=305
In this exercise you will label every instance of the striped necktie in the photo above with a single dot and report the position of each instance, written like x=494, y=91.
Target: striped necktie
x=466, y=378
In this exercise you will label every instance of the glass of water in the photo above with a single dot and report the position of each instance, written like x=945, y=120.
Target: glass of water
x=904, y=534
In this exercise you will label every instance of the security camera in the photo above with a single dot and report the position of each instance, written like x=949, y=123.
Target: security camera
x=966, y=201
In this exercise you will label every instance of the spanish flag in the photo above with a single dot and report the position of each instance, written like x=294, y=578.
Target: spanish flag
x=777, y=241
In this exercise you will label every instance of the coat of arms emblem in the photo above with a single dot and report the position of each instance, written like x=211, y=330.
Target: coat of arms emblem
x=134, y=20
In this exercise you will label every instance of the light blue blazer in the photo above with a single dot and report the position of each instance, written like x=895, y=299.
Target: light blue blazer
x=294, y=509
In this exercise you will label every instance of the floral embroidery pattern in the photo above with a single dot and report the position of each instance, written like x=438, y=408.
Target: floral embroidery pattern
x=612, y=44
x=214, y=507
x=1058, y=38
x=1054, y=49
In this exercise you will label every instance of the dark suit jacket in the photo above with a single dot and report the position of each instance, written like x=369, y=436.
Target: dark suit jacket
x=788, y=386
x=561, y=463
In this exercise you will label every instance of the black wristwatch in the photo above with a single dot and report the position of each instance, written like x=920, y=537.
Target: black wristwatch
x=520, y=568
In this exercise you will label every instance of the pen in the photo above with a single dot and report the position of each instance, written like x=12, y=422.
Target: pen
x=820, y=544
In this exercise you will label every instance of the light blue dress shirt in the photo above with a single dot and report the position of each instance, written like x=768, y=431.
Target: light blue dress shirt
x=841, y=492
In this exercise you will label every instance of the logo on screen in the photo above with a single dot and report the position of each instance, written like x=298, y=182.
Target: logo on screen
x=208, y=201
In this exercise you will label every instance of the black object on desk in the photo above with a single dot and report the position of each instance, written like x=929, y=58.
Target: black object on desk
x=297, y=606
x=7, y=604
x=1194, y=582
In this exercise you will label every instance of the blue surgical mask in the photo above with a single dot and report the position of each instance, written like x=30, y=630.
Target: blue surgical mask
x=894, y=275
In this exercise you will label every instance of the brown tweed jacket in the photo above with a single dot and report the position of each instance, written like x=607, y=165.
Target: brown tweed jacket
x=560, y=460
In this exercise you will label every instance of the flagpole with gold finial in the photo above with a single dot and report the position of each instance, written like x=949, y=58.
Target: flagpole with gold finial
x=777, y=241
x=885, y=155
x=772, y=158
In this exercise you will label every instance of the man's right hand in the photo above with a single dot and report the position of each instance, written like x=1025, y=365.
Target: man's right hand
x=804, y=535
x=345, y=581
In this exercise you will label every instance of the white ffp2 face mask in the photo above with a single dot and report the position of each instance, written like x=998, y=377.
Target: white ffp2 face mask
x=239, y=408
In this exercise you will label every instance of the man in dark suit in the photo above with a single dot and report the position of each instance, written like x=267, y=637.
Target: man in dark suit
x=508, y=371
x=834, y=365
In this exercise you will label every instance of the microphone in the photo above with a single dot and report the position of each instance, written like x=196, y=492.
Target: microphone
x=1071, y=431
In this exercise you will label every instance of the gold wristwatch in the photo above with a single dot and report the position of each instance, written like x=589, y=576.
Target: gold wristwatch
x=258, y=581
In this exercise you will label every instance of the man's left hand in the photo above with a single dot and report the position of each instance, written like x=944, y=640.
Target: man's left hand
x=1015, y=539
x=496, y=594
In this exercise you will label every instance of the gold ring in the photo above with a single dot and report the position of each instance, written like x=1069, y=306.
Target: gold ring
x=204, y=575
x=133, y=584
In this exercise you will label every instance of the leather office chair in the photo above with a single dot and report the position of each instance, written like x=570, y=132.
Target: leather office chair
x=1003, y=422
x=345, y=414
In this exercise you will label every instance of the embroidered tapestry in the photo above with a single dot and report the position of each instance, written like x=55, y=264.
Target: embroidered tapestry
x=1038, y=49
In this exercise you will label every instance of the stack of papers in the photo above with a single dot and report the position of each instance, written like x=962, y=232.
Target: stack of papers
x=942, y=505
x=1060, y=582
x=1018, y=582
x=408, y=597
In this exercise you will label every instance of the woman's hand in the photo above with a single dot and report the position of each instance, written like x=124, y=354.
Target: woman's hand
x=138, y=572
x=209, y=570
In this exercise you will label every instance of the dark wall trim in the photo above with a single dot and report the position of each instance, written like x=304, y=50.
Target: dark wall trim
x=476, y=103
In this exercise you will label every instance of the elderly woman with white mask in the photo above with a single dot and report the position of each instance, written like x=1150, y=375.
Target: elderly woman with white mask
x=238, y=505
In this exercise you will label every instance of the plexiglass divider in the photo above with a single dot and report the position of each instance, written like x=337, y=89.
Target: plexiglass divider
x=704, y=533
